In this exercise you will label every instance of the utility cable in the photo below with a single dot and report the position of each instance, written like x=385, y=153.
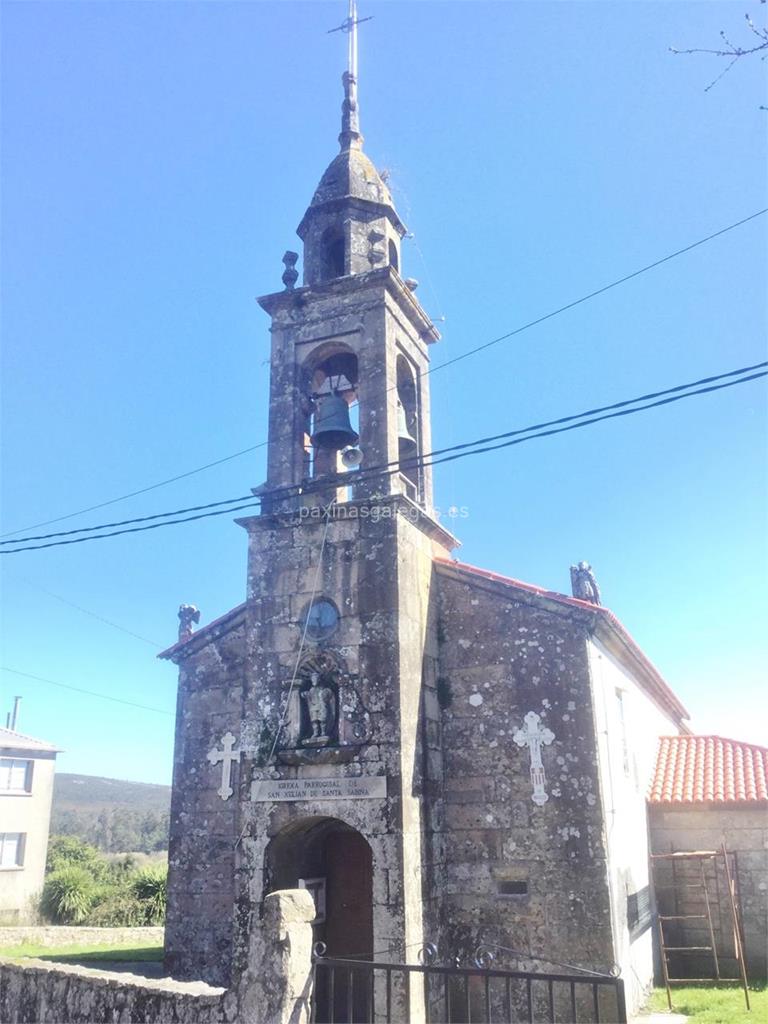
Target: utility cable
x=594, y=294
x=142, y=490
x=428, y=459
x=79, y=689
x=284, y=712
x=87, y=611
x=362, y=474
x=434, y=369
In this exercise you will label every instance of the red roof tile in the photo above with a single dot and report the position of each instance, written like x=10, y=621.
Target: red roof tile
x=709, y=769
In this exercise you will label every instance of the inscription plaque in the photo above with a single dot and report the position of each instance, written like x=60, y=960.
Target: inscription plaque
x=368, y=787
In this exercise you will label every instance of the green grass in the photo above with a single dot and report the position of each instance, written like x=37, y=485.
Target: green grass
x=82, y=954
x=707, y=1004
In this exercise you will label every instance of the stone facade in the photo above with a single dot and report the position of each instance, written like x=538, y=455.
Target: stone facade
x=503, y=655
x=744, y=830
x=421, y=745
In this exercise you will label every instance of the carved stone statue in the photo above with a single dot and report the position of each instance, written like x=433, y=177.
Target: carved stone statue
x=189, y=616
x=583, y=583
x=321, y=709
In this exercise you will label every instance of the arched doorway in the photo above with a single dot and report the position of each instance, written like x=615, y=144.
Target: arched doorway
x=335, y=862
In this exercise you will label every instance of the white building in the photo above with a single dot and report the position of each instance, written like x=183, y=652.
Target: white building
x=27, y=766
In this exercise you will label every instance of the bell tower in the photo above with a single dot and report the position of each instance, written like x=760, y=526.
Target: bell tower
x=340, y=716
x=350, y=346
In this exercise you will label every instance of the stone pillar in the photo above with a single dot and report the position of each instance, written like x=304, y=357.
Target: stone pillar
x=277, y=982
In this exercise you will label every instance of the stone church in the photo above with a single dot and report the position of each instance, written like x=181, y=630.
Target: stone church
x=437, y=752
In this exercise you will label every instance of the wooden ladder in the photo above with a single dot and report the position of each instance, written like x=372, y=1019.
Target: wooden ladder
x=681, y=892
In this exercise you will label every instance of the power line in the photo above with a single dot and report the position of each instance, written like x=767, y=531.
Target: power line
x=297, y=488
x=434, y=369
x=87, y=611
x=594, y=294
x=429, y=459
x=142, y=490
x=599, y=419
x=90, y=693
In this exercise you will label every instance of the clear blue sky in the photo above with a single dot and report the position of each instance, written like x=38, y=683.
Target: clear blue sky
x=157, y=158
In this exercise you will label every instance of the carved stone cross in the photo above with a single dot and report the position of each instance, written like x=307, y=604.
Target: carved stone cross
x=228, y=755
x=533, y=736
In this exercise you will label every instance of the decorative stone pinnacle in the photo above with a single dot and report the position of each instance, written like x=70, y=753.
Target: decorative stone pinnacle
x=290, y=274
x=350, y=137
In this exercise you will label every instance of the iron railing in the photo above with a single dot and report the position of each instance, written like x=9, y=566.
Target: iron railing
x=366, y=992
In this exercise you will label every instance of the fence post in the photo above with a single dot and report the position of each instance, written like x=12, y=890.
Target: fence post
x=276, y=985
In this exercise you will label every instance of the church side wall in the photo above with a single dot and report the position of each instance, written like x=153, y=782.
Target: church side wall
x=628, y=725
x=198, y=936
x=524, y=875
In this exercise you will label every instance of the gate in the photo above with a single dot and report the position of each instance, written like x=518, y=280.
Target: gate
x=366, y=992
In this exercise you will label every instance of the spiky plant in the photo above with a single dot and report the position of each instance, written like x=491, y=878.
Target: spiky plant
x=68, y=895
x=150, y=887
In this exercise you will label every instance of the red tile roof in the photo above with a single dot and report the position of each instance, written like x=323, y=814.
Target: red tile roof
x=709, y=769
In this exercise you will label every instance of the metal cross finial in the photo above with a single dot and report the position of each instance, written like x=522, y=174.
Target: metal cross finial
x=350, y=123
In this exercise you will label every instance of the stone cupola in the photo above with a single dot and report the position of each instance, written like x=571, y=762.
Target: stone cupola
x=351, y=225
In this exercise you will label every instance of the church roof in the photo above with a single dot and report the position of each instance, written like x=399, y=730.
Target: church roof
x=352, y=174
x=10, y=739
x=709, y=769
x=606, y=624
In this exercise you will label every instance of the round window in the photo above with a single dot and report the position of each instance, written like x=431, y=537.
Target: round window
x=321, y=619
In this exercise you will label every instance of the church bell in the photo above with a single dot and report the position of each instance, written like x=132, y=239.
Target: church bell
x=332, y=428
x=406, y=441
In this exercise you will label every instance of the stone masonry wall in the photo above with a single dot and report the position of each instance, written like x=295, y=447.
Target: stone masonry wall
x=62, y=935
x=377, y=572
x=274, y=990
x=37, y=992
x=745, y=831
x=202, y=837
x=503, y=655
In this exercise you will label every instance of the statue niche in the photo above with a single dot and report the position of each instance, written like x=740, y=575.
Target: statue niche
x=319, y=711
x=312, y=719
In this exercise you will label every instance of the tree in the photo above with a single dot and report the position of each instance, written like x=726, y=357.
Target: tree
x=733, y=52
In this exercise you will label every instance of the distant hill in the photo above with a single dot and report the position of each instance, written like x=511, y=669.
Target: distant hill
x=116, y=816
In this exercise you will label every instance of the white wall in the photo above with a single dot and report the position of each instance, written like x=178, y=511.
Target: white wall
x=29, y=813
x=624, y=776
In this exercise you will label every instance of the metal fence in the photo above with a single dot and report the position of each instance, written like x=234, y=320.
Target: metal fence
x=365, y=992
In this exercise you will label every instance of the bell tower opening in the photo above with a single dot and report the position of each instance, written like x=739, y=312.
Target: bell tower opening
x=408, y=427
x=334, y=251
x=394, y=259
x=332, y=391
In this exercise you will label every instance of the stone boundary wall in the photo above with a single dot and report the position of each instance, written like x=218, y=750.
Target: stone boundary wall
x=37, y=992
x=274, y=989
x=62, y=935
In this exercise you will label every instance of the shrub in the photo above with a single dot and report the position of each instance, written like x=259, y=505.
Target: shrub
x=150, y=887
x=117, y=909
x=67, y=851
x=68, y=895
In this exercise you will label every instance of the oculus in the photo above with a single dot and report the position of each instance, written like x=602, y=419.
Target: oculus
x=321, y=619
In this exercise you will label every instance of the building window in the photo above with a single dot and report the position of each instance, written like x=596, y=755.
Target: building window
x=15, y=775
x=12, y=849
